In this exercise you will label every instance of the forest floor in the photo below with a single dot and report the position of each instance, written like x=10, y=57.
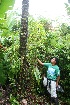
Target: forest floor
x=31, y=98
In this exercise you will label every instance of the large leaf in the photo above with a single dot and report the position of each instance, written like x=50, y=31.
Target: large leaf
x=5, y=5
x=37, y=75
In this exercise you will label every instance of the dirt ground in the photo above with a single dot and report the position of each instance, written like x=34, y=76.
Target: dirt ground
x=31, y=98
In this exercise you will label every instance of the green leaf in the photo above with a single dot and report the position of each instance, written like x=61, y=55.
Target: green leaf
x=5, y=5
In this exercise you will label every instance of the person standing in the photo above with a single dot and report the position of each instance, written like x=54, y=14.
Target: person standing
x=53, y=76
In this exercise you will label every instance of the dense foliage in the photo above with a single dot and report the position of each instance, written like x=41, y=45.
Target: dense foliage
x=9, y=40
x=43, y=42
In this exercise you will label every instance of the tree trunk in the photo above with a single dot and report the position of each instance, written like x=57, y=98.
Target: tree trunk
x=24, y=28
x=23, y=43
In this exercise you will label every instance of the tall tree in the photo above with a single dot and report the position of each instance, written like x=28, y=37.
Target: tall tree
x=23, y=41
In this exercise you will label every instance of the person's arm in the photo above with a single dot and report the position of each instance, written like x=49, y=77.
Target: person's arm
x=58, y=78
x=40, y=62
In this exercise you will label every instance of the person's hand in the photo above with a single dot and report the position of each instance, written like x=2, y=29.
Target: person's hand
x=4, y=48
